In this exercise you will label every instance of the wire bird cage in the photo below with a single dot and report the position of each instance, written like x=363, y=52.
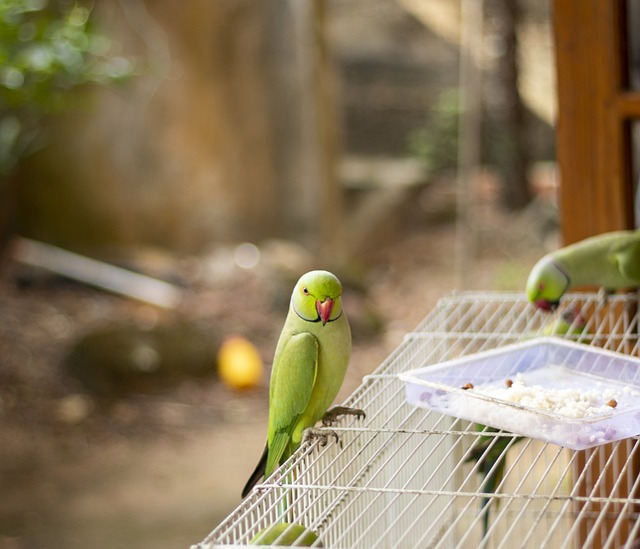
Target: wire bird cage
x=403, y=478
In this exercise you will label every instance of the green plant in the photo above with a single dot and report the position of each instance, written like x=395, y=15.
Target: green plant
x=437, y=142
x=47, y=48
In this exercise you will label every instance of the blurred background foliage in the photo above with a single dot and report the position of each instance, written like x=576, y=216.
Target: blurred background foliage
x=224, y=147
x=46, y=50
x=162, y=161
x=436, y=143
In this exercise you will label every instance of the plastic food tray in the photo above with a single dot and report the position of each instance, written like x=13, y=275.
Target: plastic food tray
x=549, y=362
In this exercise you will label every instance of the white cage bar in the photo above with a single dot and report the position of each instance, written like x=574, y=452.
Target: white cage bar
x=403, y=478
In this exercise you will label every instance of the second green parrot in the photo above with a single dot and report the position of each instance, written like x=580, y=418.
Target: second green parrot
x=286, y=534
x=570, y=323
x=489, y=452
x=309, y=365
x=610, y=261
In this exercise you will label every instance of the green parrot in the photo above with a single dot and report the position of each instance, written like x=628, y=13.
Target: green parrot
x=610, y=261
x=490, y=456
x=309, y=366
x=286, y=535
x=569, y=323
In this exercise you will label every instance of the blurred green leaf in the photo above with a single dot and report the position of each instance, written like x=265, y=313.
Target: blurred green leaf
x=437, y=142
x=46, y=49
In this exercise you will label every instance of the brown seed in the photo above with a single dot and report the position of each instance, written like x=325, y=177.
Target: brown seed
x=613, y=403
x=508, y=382
x=467, y=386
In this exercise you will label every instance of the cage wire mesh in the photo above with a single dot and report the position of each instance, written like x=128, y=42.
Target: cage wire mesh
x=405, y=478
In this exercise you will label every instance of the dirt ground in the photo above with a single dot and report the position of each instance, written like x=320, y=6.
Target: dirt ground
x=161, y=468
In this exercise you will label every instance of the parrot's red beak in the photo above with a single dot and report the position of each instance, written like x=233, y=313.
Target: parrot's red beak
x=324, y=309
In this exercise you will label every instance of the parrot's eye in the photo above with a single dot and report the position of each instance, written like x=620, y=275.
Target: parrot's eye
x=305, y=291
x=541, y=286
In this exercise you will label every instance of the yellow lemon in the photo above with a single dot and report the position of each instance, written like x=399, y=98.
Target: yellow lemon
x=239, y=363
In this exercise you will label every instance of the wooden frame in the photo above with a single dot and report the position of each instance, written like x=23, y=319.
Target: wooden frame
x=595, y=108
x=595, y=111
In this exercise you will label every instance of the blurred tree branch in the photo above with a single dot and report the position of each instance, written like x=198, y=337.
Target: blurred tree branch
x=513, y=156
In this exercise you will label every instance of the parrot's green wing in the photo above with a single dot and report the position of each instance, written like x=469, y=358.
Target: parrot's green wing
x=627, y=257
x=291, y=389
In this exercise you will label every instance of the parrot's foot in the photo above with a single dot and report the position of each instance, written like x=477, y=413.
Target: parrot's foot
x=332, y=415
x=322, y=435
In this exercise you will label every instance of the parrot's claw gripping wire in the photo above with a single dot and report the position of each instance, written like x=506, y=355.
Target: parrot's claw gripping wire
x=319, y=434
x=332, y=415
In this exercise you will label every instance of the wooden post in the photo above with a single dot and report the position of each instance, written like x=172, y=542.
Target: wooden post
x=596, y=192
x=592, y=132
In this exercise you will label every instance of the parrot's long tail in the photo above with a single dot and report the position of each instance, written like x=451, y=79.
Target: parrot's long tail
x=489, y=486
x=257, y=474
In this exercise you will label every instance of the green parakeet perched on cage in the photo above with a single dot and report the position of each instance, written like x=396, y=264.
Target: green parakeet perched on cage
x=309, y=366
x=610, y=261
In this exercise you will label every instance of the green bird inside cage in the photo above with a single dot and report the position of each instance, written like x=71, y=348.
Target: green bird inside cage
x=570, y=324
x=286, y=534
x=489, y=452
